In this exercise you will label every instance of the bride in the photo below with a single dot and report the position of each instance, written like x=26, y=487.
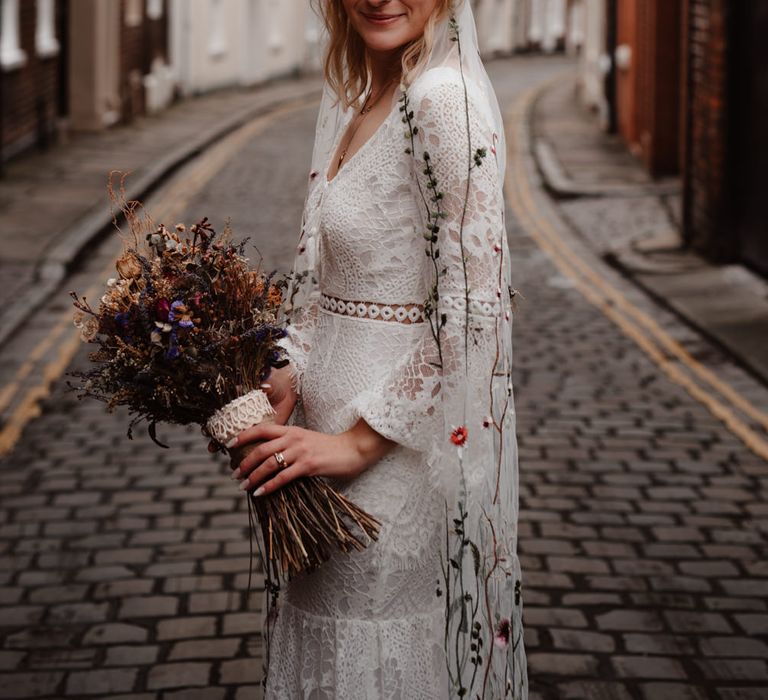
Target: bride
x=398, y=388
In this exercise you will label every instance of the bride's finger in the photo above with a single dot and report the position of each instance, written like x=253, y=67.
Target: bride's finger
x=262, y=431
x=283, y=477
x=259, y=455
x=268, y=469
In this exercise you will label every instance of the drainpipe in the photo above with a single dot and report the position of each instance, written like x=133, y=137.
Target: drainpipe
x=611, y=30
x=2, y=108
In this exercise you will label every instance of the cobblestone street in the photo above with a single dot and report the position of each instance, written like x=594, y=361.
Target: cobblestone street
x=644, y=513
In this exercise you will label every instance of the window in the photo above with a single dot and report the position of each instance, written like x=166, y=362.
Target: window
x=154, y=9
x=11, y=55
x=46, y=43
x=217, y=39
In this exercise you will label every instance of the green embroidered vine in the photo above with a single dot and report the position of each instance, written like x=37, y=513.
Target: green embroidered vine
x=434, y=215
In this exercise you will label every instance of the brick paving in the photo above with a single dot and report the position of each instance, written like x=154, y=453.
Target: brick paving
x=123, y=567
x=643, y=519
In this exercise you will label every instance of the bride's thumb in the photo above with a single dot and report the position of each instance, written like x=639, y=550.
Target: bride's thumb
x=267, y=389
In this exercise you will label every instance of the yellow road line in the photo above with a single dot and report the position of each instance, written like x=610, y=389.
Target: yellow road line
x=664, y=338
x=8, y=392
x=174, y=199
x=178, y=195
x=612, y=302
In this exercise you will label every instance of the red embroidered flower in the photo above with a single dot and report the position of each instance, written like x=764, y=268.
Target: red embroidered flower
x=501, y=635
x=459, y=435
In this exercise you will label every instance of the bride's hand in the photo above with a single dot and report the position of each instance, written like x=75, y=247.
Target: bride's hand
x=306, y=453
x=279, y=390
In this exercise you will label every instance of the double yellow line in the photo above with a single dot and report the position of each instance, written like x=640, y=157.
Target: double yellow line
x=671, y=357
x=172, y=201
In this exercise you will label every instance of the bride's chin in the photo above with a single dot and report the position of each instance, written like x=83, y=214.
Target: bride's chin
x=384, y=41
x=383, y=47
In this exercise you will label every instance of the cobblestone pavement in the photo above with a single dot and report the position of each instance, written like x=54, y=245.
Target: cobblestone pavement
x=643, y=518
x=54, y=203
x=606, y=196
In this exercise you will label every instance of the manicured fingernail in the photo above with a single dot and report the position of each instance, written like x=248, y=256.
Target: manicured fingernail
x=259, y=491
x=235, y=474
x=244, y=485
x=265, y=386
x=231, y=443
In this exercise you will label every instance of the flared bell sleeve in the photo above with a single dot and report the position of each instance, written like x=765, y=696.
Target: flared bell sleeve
x=445, y=378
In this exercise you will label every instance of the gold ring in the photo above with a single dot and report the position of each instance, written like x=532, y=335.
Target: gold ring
x=280, y=460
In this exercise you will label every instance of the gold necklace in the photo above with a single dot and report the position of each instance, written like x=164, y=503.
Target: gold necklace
x=365, y=109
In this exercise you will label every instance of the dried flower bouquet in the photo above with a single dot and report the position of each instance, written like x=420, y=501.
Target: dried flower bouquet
x=186, y=333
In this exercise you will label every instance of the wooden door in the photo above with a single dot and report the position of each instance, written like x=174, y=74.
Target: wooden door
x=626, y=61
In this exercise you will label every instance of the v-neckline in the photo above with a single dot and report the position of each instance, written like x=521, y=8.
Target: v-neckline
x=363, y=146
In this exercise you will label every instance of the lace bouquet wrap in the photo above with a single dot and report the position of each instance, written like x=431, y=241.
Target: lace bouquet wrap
x=186, y=333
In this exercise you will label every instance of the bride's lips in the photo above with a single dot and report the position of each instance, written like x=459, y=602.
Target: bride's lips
x=381, y=20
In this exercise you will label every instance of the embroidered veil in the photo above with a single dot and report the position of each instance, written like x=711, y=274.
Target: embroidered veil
x=452, y=395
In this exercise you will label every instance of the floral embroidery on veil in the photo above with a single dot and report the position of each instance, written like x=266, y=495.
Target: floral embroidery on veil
x=460, y=370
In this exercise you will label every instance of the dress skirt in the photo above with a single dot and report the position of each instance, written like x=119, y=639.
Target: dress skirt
x=366, y=625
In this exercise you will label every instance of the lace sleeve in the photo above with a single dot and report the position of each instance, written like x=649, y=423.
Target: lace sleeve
x=454, y=360
x=298, y=339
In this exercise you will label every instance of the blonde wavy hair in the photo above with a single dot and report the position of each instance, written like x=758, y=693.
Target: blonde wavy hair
x=346, y=65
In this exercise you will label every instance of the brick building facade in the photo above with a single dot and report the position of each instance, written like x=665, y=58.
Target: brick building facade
x=30, y=75
x=79, y=64
x=143, y=46
x=726, y=142
x=705, y=162
x=685, y=87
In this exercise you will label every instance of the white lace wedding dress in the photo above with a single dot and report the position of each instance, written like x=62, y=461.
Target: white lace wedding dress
x=370, y=625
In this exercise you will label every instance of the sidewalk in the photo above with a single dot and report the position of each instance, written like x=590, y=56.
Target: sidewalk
x=634, y=223
x=53, y=203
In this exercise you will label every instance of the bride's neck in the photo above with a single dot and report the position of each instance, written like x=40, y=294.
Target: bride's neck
x=385, y=66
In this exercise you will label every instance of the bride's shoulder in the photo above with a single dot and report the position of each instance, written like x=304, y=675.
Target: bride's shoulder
x=442, y=88
x=436, y=79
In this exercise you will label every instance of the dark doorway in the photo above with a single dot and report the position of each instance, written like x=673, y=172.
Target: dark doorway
x=748, y=118
x=62, y=32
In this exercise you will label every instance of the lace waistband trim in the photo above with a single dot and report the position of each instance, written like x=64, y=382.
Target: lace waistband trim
x=401, y=313
x=411, y=619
